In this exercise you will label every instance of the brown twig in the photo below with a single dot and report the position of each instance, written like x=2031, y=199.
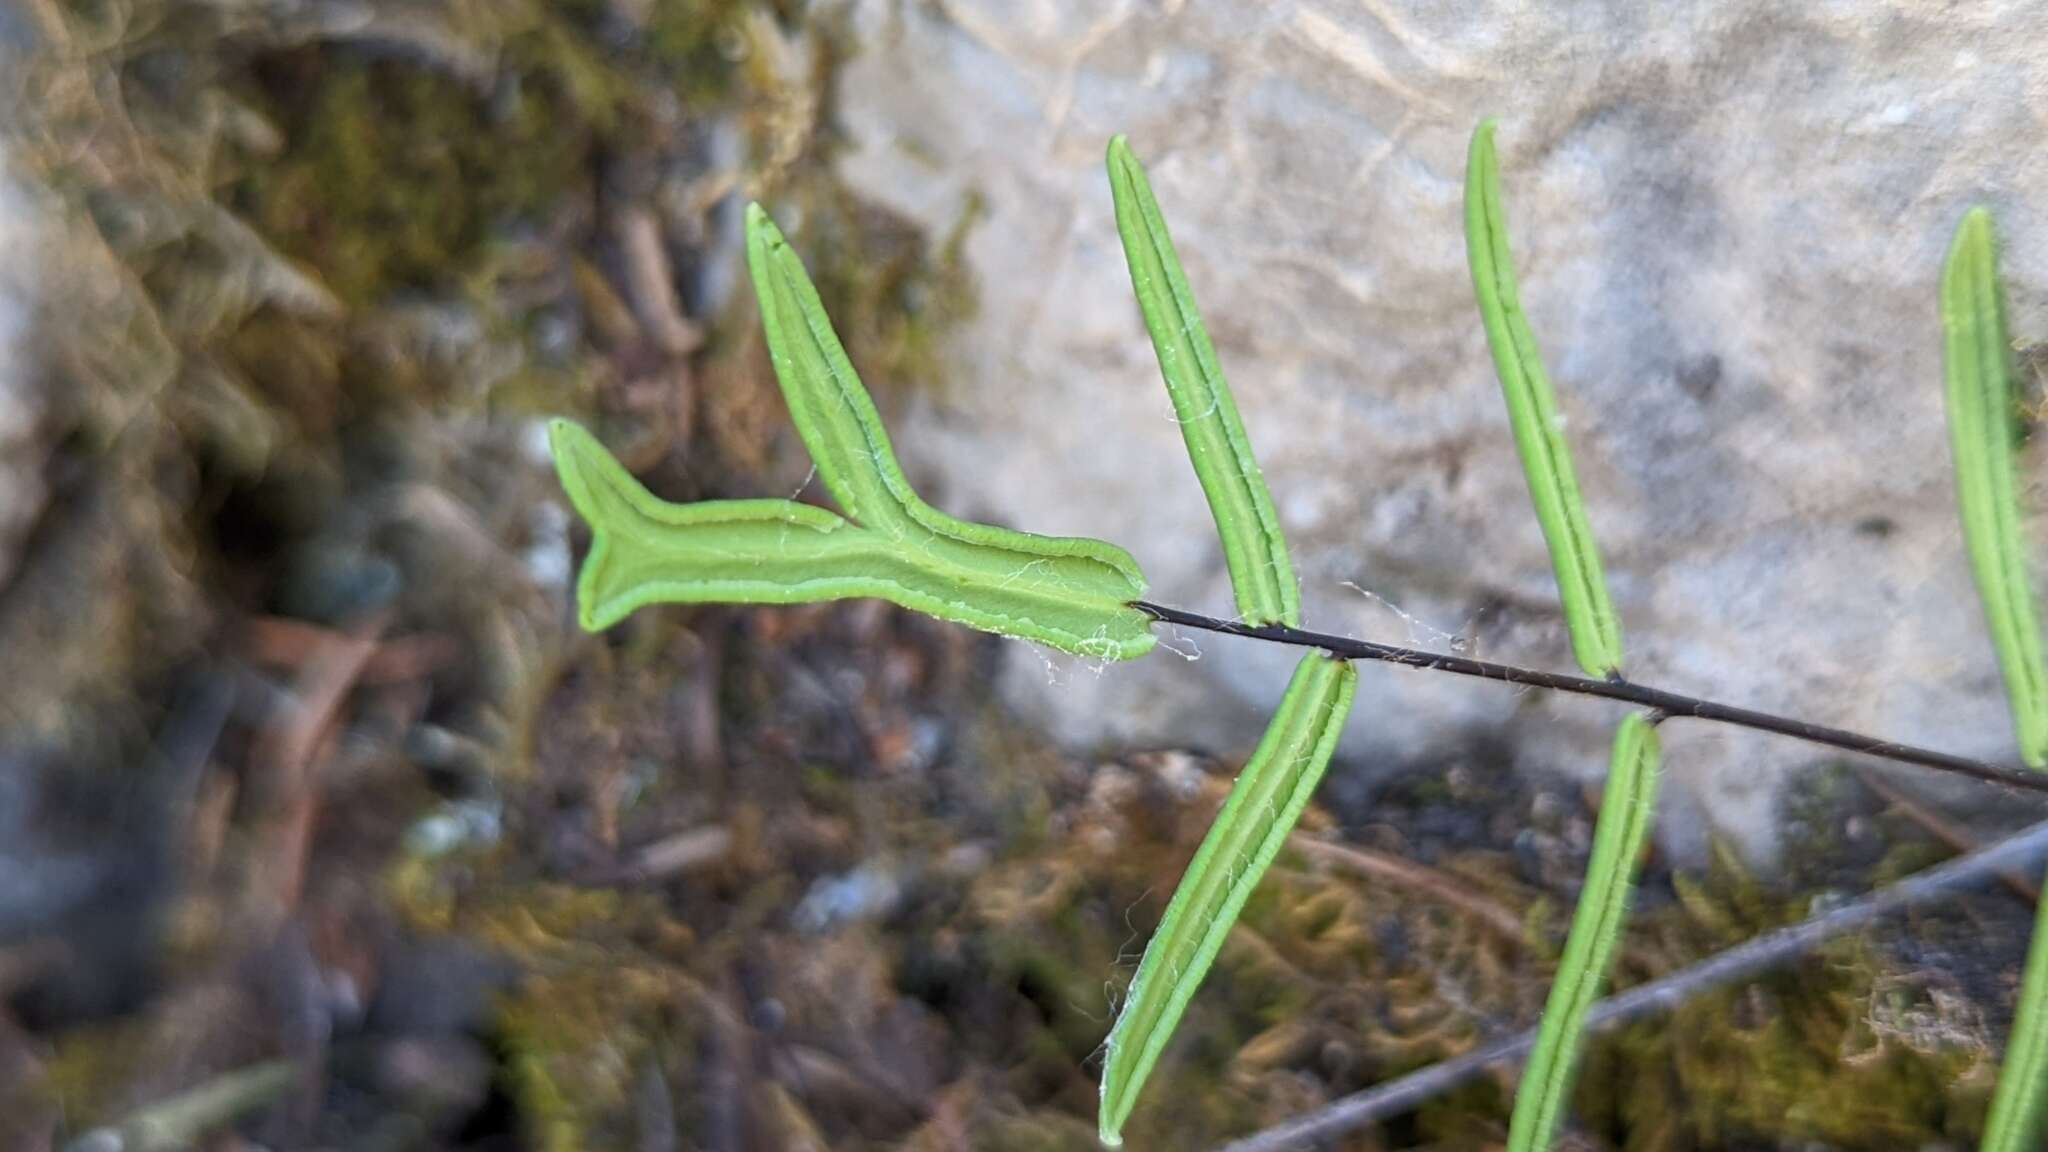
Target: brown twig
x=650, y=283
x=682, y=853
x=1415, y=878
x=1958, y=838
x=281, y=642
x=286, y=751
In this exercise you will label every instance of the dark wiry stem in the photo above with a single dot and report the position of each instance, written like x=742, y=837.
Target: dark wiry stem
x=1674, y=705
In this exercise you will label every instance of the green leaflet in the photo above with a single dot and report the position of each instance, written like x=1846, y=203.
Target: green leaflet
x=1086, y=585
x=827, y=403
x=1276, y=783
x=1262, y=809
x=2016, y=1105
x=1982, y=427
x=1067, y=593
x=1626, y=815
x=1630, y=806
x=1222, y=455
x=1532, y=410
x=648, y=551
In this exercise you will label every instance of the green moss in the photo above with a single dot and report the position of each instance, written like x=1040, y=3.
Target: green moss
x=604, y=985
x=394, y=176
x=574, y=1044
x=1835, y=1050
x=699, y=43
x=398, y=169
x=88, y=1069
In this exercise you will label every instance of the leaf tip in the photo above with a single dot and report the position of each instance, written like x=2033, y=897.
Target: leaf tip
x=1482, y=200
x=581, y=464
x=1116, y=1100
x=1126, y=174
x=1975, y=239
x=1109, y=1119
x=763, y=237
x=569, y=443
x=562, y=434
x=1482, y=140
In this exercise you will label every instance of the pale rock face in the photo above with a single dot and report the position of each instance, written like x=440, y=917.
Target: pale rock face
x=22, y=447
x=1730, y=221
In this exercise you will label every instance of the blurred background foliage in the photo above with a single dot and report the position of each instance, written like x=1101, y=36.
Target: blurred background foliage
x=302, y=760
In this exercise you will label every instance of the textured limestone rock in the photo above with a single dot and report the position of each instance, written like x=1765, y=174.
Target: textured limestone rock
x=22, y=491
x=1730, y=220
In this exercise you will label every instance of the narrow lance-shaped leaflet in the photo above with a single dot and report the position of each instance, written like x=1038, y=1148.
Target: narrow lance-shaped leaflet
x=1264, y=805
x=1253, y=548
x=1532, y=411
x=1982, y=427
x=2015, y=1116
x=1627, y=813
x=838, y=423
x=1629, y=810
